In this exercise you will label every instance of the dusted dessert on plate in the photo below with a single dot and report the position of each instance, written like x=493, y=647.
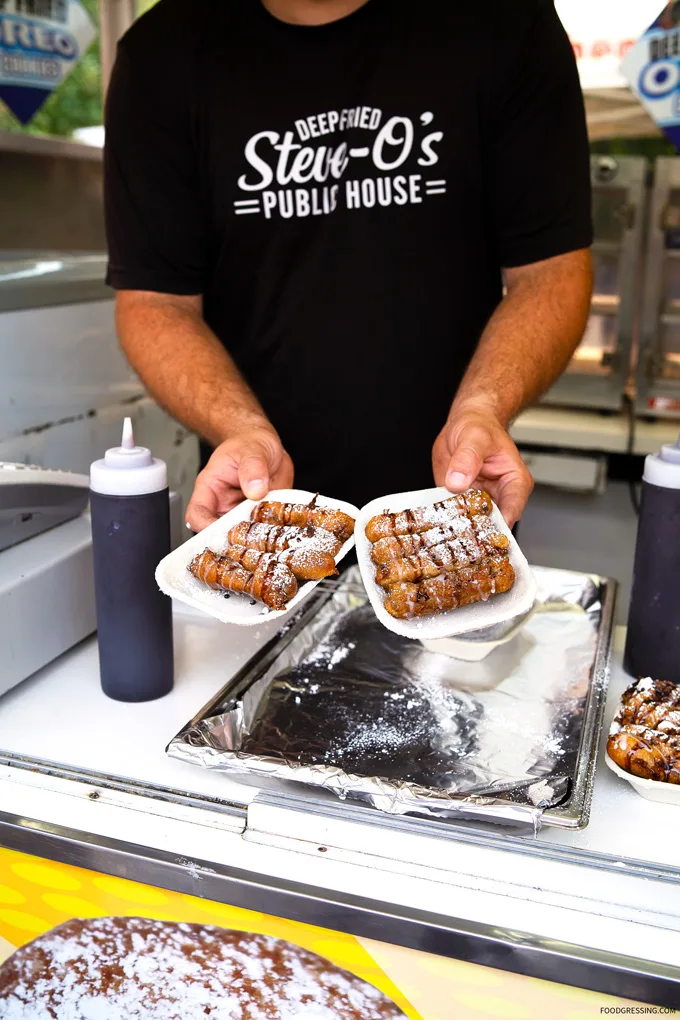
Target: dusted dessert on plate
x=132, y=968
x=435, y=558
x=644, y=738
x=281, y=544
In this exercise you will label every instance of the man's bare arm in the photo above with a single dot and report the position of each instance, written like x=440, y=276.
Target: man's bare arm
x=189, y=372
x=183, y=364
x=526, y=345
x=531, y=336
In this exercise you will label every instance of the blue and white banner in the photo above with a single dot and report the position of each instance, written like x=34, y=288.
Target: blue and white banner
x=41, y=41
x=652, y=68
x=602, y=32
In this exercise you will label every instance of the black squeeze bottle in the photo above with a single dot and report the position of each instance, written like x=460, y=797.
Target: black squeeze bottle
x=130, y=510
x=653, y=639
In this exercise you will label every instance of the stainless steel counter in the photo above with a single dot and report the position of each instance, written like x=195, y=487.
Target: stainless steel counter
x=48, y=279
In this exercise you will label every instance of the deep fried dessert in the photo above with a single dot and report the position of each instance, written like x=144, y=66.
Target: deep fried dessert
x=647, y=753
x=449, y=512
x=644, y=738
x=305, y=564
x=134, y=968
x=444, y=557
x=303, y=514
x=277, y=538
x=271, y=582
x=440, y=557
x=475, y=583
x=281, y=544
x=411, y=568
x=472, y=536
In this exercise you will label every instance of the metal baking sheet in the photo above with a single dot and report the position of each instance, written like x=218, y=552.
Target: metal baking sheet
x=337, y=702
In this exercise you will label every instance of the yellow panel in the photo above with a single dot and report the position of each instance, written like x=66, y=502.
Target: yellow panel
x=11, y=896
x=23, y=921
x=445, y=989
x=71, y=906
x=487, y=1005
x=52, y=877
x=131, y=892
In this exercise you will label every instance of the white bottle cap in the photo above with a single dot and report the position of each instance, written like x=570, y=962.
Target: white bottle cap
x=128, y=470
x=663, y=468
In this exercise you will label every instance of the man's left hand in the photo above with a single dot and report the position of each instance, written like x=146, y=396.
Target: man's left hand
x=474, y=450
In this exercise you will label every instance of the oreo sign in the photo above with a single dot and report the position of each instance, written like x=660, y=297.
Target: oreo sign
x=652, y=68
x=39, y=50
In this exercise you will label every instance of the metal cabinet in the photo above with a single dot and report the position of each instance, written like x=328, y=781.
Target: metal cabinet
x=658, y=364
x=65, y=385
x=598, y=372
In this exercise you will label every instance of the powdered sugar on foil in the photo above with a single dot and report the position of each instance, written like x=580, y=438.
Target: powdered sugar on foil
x=340, y=653
x=139, y=969
x=330, y=657
x=349, y=695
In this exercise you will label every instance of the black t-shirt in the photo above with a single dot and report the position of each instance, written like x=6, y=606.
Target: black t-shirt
x=344, y=197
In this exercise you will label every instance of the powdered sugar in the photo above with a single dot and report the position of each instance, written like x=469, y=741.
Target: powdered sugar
x=269, y=581
x=646, y=685
x=455, y=528
x=373, y=737
x=452, y=513
x=446, y=515
x=340, y=653
x=138, y=969
x=552, y=745
x=278, y=538
x=330, y=657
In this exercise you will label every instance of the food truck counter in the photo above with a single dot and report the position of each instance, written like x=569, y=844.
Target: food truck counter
x=86, y=781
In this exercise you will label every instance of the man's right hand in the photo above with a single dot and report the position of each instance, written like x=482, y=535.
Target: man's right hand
x=245, y=466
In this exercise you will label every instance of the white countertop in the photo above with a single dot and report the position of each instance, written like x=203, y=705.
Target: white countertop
x=61, y=715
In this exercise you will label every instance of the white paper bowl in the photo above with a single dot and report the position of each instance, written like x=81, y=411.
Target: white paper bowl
x=498, y=609
x=651, y=789
x=476, y=646
x=173, y=577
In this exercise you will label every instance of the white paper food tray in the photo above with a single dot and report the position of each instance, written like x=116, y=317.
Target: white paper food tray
x=173, y=577
x=651, y=789
x=498, y=609
x=475, y=646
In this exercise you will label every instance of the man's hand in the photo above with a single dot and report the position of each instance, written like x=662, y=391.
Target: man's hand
x=474, y=450
x=525, y=346
x=245, y=466
x=190, y=373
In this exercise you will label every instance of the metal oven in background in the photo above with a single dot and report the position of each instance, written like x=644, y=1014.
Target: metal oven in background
x=598, y=373
x=658, y=364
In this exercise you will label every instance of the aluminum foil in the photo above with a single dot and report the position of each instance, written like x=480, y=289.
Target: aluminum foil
x=341, y=703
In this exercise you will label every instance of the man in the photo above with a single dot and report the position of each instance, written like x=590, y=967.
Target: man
x=310, y=204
